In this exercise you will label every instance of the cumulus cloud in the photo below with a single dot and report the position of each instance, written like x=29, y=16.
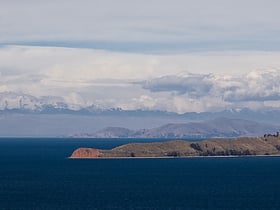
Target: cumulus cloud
x=262, y=85
x=180, y=83
x=194, y=85
x=256, y=90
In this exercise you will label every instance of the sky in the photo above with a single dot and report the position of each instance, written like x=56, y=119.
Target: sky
x=179, y=56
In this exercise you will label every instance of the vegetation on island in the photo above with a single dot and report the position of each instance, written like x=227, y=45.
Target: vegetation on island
x=245, y=146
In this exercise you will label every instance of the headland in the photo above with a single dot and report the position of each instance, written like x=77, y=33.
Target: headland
x=268, y=145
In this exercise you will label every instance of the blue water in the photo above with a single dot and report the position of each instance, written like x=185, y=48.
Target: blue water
x=35, y=174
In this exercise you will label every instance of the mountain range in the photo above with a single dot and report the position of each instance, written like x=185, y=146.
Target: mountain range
x=221, y=127
x=11, y=102
x=25, y=115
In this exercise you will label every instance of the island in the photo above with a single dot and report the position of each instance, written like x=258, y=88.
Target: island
x=268, y=145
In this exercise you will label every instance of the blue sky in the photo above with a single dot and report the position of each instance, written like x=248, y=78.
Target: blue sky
x=177, y=56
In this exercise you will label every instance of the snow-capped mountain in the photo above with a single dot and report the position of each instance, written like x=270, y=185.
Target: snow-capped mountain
x=26, y=115
x=23, y=103
x=27, y=103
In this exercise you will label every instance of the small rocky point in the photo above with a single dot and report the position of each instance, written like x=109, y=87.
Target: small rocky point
x=85, y=153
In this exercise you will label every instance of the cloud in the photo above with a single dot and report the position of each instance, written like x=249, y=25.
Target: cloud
x=254, y=86
x=193, y=85
x=177, y=56
x=171, y=82
x=193, y=24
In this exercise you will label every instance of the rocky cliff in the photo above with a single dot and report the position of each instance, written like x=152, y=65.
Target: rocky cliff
x=86, y=153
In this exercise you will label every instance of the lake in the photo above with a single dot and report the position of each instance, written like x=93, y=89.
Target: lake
x=36, y=174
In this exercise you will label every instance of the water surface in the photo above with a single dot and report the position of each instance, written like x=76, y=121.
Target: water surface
x=36, y=174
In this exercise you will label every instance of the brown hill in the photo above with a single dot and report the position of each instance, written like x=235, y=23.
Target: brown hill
x=85, y=153
x=269, y=145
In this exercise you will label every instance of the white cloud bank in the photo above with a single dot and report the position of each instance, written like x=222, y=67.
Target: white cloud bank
x=202, y=81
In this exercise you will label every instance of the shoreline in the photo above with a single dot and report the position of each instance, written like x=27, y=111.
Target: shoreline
x=183, y=157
